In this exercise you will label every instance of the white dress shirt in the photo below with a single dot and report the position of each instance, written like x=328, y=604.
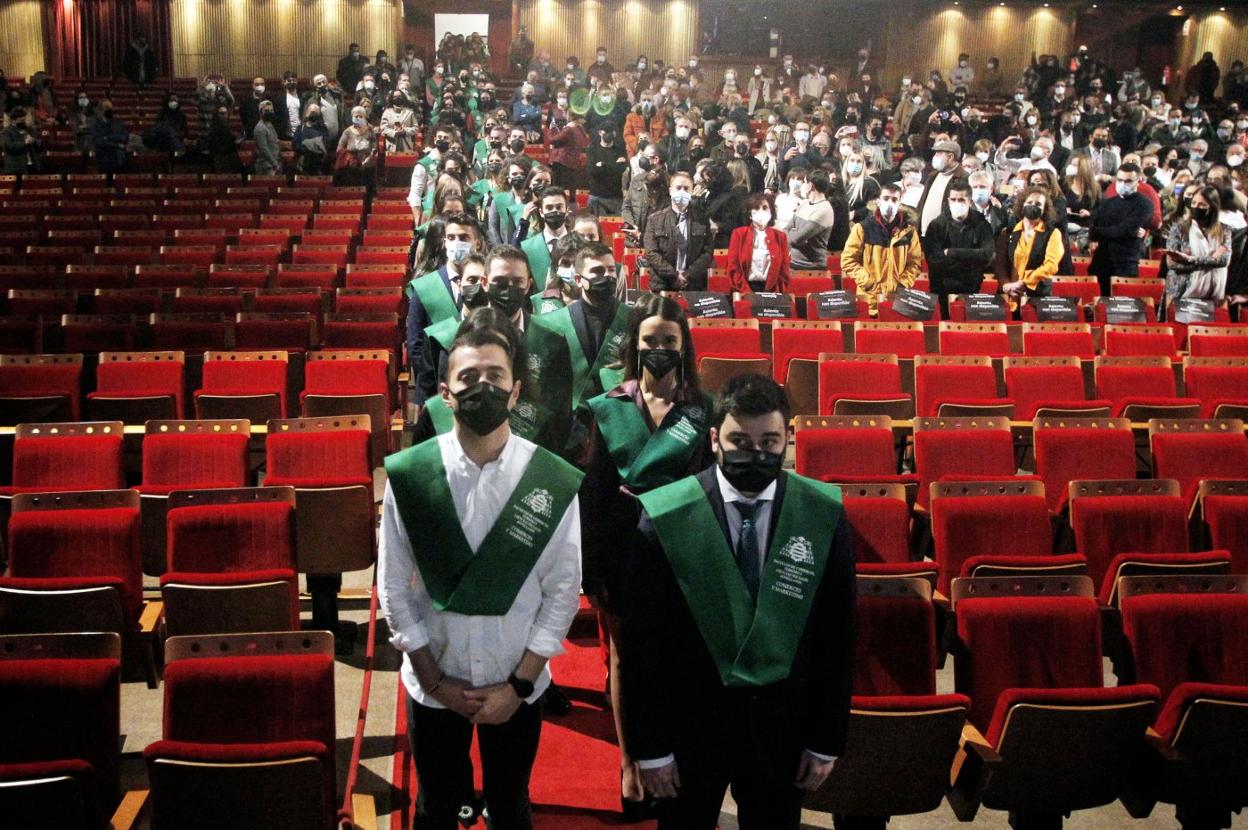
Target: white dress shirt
x=762, y=526
x=480, y=650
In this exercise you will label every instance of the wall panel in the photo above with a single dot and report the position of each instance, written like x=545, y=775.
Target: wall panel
x=658, y=29
x=920, y=39
x=244, y=38
x=21, y=38
x=1225, y=34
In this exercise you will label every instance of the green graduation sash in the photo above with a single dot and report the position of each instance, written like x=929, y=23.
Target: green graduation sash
x=525, y=418
x=559, y=324
x=485, y=583
x=435, y=297
x=538, y=255
x=542, y=304
x=444, y=332
x=752, y=645
x=646, y=460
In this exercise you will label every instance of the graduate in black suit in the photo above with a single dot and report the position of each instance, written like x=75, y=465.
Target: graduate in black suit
x=738, y=635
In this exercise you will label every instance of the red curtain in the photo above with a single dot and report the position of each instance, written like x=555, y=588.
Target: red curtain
x=89, y=38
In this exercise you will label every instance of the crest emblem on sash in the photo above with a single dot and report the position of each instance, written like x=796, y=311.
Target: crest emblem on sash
x=535, y=363
x=539, y=501
x=525, y=410
x=799, y=549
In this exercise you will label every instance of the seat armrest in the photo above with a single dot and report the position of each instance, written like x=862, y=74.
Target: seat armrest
x=132, y=809
x=972, y=768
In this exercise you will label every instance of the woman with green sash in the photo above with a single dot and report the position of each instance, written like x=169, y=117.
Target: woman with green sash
x=504, y=211
x=560, y=288
x=649, y=431
x=494, y=182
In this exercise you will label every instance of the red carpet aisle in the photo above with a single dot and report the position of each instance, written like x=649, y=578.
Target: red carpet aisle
x=576, y=783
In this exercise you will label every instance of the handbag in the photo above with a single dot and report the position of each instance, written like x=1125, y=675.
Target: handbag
x=346, y=160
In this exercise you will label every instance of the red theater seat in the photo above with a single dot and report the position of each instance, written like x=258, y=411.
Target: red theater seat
x=1190, y=451
x=862, y=384
x=1126, y=516
x=964, y=383
x=135, y=387
x=961, y=449
x=1081, y=449
x=1037, y=384
x=998, y=518
x=66, y=457
x=40, y=387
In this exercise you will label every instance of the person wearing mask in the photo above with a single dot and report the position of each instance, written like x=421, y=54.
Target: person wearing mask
x=946, y=168
x=507, y=207
x=223, y=144
x=911, y=183
x=356, y=162
x=811, y=225
x=529, y=217
x=1103, y=157
x=744, y=155
x=412, y=66
x=1082, y=194
x=526, y=114
x=568, y=142
x=1133, y=87
x=23, y=148
x=329, y=101
x=768, y=159
x=478, y=478
x=737, y=525
x=984, y=201
x=648, y=431
x=883, y=251
x=647, y=190
x=674, y=147
x=959, y=247
x=758, y=253
x=811, y=85
x=721, y=202
x=963, y=74
x=644, y=119
x=351, y=68
x=1172, y=132
x=436, y=297
x=992, y=81
x=398, y=125
x=861, y=190
x=169, y=132
x=1197, y=158
x=109, y=139
x=423, y=170
x=678, y=244
x=268, y=151
x=312, y=144
x=801, y=153
x=1119, y=226
x=607, y=165
x=1033, y=251
x=574, y=351
x=560, y=288
x=249, y=107
x=79, y=118
x=1198, y=250
x=552, y=208
x=601, y=69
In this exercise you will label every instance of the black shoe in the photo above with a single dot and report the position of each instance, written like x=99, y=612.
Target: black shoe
x=635, y=812
x=555, y=701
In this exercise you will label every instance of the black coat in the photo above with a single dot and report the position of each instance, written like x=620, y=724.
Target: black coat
x=660, y=244
x=1115, y=226
x=958, y=253
x=677, y=702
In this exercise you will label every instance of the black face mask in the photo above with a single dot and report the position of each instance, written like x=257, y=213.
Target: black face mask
x=1032, y=212
x=1202, y=215
x=496, y=145
x=554, y=219
x=696, y=153
x=482, y=407
x=1150, y=171
x=494, y=166
x=517, y=146
x=474, y=295
x=506, y=298
x=750, y=471
x=1098, y=143
x=600, y=289
x=659, y=362
x=644, y=164
x=516, y=182
x=442, y=146
x=486, y=100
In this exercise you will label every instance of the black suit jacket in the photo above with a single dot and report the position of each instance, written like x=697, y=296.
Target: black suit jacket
x=660, y=244
x=677, y=702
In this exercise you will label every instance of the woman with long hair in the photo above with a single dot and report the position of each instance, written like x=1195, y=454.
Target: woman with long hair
x=1083, y=194
x=1198, y=250
x=539, y=178
x=650, y=430
x=860, y=188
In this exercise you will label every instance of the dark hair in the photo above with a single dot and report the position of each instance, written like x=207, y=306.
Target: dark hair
x=750, y=395
x=508, y=252
x=1213, y=196
x=487, y=326
x=1129, y=167
x=434, y=255
x=552, y=190
x=465, y=219
x=656, y=305
x=591, y=250
x=760, y=200
x=474, y=258
x=819, y=181
x=569, y=245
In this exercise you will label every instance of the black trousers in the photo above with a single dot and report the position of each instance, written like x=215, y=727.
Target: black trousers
x=440, y=742
x=738, y=755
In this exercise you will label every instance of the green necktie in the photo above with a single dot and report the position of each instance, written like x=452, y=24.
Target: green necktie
x=747, y=545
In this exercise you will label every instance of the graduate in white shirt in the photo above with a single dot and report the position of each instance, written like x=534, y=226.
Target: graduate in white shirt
x=479, y=574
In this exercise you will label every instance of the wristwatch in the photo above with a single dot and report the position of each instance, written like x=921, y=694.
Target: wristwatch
x=523, y=688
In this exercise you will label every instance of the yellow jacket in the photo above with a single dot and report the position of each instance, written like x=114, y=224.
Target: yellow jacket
x=880, y=262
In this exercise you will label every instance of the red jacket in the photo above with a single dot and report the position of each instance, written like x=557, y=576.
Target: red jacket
x=741, y=255
x=567, y=146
